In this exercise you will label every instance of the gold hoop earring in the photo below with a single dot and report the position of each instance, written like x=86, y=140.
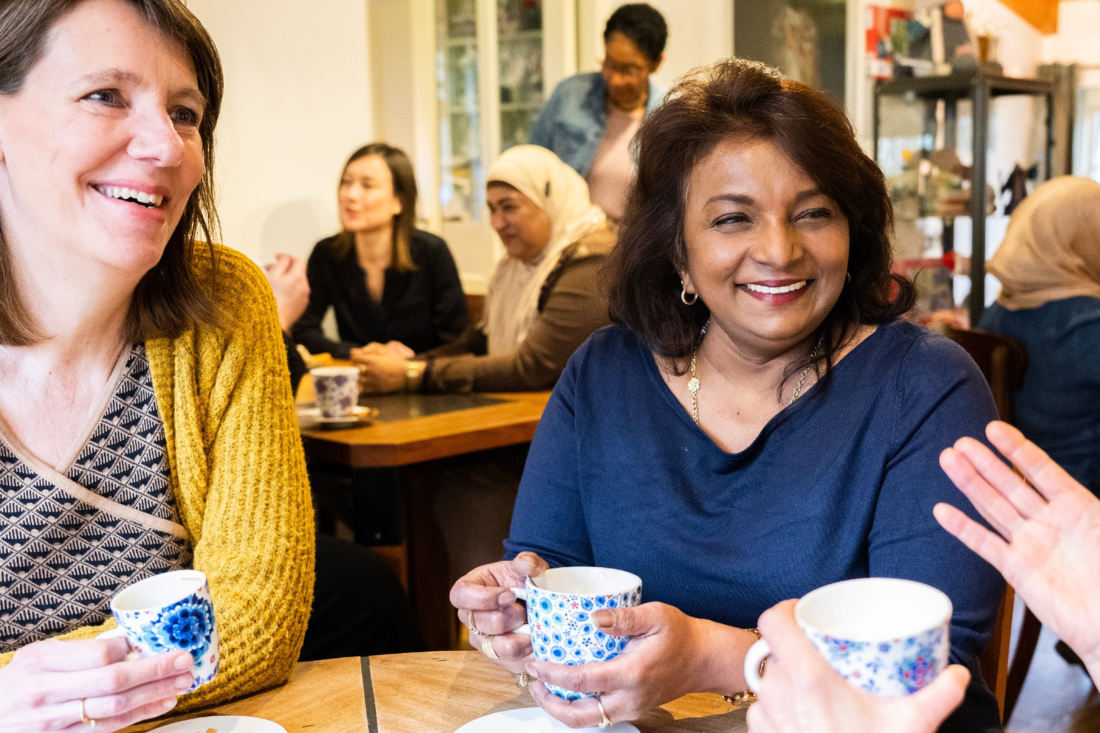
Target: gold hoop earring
x=684, y=295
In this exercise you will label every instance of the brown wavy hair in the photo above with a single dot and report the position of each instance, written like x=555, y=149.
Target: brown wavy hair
x=742, y=99
x=172, y=296
x=404, y=187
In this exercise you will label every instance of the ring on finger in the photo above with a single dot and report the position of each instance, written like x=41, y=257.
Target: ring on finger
x=471, y=625
x=605, y=722
x=487, y=647
x=91, y=723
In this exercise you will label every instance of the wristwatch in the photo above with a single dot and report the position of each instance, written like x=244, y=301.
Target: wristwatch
x=414, y=375
x=746, y=697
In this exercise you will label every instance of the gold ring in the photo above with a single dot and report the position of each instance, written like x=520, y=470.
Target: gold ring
x=605, y=722
x=487, y=647
x=84, y=718
x=522, y=680
x=471, y=625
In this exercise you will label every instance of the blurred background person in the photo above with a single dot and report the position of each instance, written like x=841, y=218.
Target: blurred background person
x=359, y=606
x=385, y=279
x=1049, y=269
x=591, y=118
x=287, y=277
x=543, y=299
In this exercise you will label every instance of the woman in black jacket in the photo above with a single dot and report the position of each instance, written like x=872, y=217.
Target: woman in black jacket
x=386, y=280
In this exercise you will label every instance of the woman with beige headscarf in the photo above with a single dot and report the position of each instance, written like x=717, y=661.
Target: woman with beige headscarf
x=1049, y=268
x=543, y=299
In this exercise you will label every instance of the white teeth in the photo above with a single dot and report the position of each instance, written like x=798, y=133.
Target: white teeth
x=776, y=291
x=131, y=194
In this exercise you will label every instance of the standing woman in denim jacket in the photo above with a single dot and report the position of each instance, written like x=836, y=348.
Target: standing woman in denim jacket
x=591, y=118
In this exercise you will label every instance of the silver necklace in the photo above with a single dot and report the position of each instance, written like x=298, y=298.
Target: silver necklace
x=693, y=383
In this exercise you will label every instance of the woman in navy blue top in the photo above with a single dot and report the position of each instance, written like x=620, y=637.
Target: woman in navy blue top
x=758, y=425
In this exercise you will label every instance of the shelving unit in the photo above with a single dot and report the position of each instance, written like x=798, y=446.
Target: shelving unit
x=979, y=90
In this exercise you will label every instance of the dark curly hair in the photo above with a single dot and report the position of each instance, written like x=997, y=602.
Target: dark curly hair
x=746, y=100
x=643, y=25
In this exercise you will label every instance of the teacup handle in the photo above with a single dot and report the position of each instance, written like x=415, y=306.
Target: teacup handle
x=757, y=653
x=521, y=595
x=120, y=633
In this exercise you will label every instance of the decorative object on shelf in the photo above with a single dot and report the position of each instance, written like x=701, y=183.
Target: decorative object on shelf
x=923, y=119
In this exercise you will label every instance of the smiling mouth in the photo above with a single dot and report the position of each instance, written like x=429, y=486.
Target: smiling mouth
x=768, y=290
x=148, y=200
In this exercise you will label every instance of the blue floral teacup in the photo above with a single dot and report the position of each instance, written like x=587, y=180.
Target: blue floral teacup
x=883, y=635
x=560, y=604
x=170, y=612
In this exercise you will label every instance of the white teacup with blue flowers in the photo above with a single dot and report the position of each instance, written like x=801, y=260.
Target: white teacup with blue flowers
x=170, y=612
x=560, y=604
x=884, y=635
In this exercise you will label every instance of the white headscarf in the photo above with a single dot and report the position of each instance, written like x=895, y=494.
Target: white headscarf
x=558, y=190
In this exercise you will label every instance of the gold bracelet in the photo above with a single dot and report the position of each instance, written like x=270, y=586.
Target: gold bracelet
x=746, y=697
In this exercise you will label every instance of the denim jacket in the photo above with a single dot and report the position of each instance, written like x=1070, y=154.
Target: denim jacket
x=572, y=122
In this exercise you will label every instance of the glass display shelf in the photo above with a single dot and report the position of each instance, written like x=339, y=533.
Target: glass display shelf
x=932, y=139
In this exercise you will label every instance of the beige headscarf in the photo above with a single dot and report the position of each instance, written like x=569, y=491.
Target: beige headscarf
x=1052, y=248
x=511, y=304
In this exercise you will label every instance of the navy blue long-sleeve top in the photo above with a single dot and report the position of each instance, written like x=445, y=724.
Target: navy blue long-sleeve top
x=839, y=485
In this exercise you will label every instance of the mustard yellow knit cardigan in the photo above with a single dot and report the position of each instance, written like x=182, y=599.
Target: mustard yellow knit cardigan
x=239, y=479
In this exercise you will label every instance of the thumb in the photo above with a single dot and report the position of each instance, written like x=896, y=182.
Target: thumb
x=528, y=564
x=931, y=706
x=628, y=621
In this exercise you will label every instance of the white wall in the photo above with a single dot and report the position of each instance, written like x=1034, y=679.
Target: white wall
x=1078, y=36
x=297, y=102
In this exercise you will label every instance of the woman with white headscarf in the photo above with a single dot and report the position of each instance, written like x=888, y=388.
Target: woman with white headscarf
x=543, y=299
x=1049, y=269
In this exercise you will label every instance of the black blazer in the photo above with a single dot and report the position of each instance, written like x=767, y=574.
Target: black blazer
x=422, y=309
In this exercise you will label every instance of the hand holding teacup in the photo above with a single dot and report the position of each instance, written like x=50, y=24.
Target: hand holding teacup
x=87, y=680
x=488, y=607
x=169, y=613
x=800, y=690
x=165, y=645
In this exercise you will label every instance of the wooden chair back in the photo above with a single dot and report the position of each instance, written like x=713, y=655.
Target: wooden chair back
x=1002, y=361
x=475, y=305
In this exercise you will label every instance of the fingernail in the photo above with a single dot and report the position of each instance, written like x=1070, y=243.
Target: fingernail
x=603, y=619
x=530, y=669
x=507, y=598
x=184, y=682
x=168, y=704
x=184, y=663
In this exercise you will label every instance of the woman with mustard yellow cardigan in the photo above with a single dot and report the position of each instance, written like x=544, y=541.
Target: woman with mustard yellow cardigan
x=146, y=418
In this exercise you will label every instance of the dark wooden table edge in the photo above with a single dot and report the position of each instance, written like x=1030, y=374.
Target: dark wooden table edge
x=395, y=455
x=368, y=695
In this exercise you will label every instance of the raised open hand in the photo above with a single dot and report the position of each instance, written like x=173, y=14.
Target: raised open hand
x=1048, y=535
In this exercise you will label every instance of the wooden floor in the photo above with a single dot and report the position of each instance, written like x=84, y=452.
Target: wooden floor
x=1057, y=697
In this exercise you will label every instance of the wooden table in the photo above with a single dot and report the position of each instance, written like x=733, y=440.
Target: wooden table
x=416, y=439
x=319, y=697
x=391, y=469
x=435, y=692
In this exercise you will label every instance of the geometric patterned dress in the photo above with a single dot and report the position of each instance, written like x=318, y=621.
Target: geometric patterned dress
x=73, y=535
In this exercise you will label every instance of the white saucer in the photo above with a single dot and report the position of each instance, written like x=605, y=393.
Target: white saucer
x=528, y=720
x=359, y=414
x=223, y=724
